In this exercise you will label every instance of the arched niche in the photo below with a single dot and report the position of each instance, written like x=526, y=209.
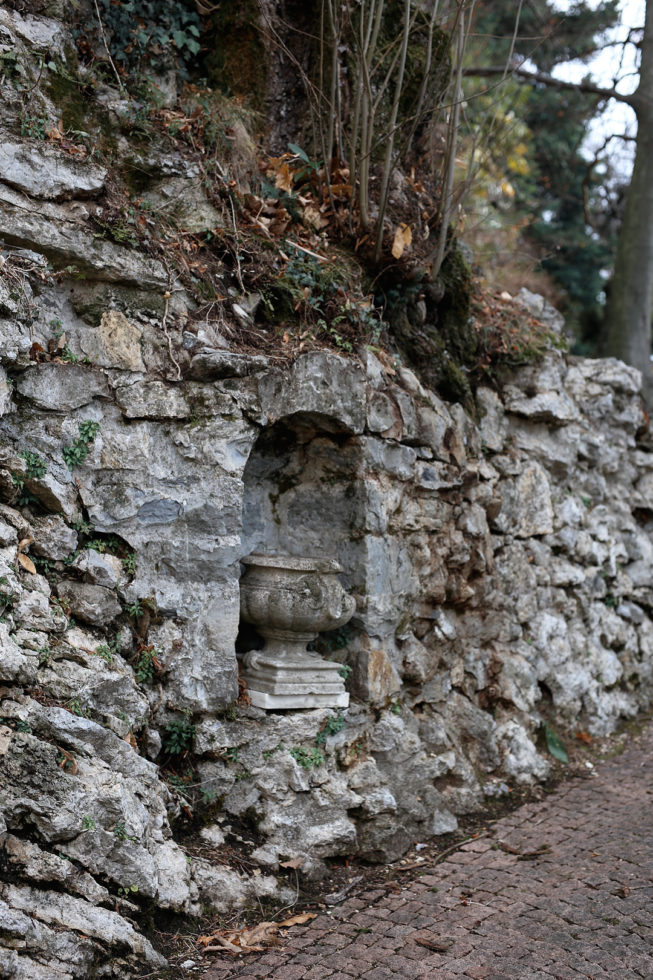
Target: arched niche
x=303, y=495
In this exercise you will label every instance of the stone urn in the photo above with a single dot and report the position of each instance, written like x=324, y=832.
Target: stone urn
x=289, y=601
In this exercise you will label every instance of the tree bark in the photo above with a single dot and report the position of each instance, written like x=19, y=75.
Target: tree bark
x=630, y=304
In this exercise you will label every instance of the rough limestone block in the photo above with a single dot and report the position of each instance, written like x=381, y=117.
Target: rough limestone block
x=321, y=383
x=527, y=510
x=115, y=343
x=53, y=538
x=374, y=678
x=62, y=387
x=44, y=171
x=91, y=603
x=56, y=231
x=555, y=407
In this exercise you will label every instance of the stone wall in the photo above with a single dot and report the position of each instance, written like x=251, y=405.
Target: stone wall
x=500, y=570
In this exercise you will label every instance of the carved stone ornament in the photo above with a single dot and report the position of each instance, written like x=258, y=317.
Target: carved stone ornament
x=289, y=601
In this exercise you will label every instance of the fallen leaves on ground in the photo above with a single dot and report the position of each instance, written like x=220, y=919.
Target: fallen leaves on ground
x=250, y=939
x=584, y=737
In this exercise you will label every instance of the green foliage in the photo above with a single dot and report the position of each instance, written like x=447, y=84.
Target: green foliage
x=88, y=823
x=17, y=724
x=344, y=671
x=332, y=726
x=34, y=126
x=178, y=736
x=328, y=300
x=148, y=664
x=125, y=891
x=44, y=565
x=44, y=656
x=135, y=610
x=129, y=562
x=120, y=833
x=88, y=430
x=567, y=191
x=24, y=498
x=75, y=707
x=307, y=758
x=83, y=527
x=326, y=643
x=6, y=605
x=108, y=650
x=151, y=35
x=76, y=454
x=554, y=745
x=36, y=467
x=557, y=195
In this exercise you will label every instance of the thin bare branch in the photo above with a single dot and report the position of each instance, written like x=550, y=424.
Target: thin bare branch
x=542, y=78
x=106, y=45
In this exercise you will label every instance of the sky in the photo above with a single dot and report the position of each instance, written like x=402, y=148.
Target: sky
x=605, y=69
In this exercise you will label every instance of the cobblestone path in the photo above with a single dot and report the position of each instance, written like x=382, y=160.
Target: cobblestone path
x=561, y=889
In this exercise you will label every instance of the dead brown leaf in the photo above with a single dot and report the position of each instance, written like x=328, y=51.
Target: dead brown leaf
x=27, y=563
x=67, y=762
x=313, y=219
x=584, y=737
x=24, y=543
x=403, y=238
x=251, y=939
x=294, y=863
x=284, y=178
x=298, y=920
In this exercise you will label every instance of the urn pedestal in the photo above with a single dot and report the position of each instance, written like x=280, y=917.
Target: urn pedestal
x=289, y=601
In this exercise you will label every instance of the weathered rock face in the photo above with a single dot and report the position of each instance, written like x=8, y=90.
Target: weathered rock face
x=501, y=571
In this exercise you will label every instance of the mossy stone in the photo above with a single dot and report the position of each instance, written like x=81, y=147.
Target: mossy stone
x=444, y=348
x=237, y=64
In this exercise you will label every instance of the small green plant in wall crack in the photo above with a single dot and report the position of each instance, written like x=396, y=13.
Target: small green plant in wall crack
x=35, y=467
x=76, y=454
x=125, y=891
x=331, y=726
x=307, y=758
x=148, y=664
x=120, y=833
x=179, y=735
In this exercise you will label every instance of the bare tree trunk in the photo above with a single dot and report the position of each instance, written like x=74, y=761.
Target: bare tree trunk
x=630, y=305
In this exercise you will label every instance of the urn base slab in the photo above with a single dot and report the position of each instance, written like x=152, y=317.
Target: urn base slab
x=277, y=682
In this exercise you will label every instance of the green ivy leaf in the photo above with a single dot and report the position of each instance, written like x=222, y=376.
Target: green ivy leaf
x=554, y=745
x=297, y=150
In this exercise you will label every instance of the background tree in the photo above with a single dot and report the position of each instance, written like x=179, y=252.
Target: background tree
x=628, y=314
x=627, y=327
x=555, y=195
